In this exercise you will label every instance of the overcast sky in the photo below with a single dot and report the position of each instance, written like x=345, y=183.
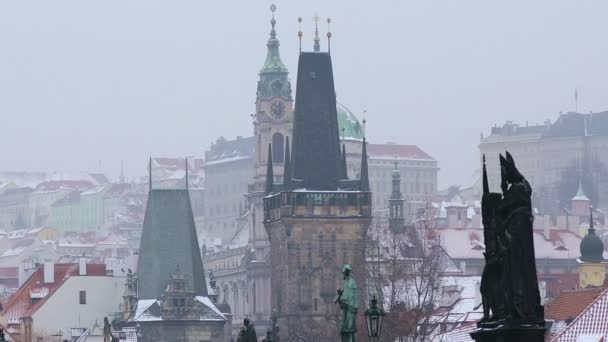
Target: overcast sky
x=115, y=80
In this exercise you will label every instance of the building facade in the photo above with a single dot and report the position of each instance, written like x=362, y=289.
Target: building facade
x=555, y=157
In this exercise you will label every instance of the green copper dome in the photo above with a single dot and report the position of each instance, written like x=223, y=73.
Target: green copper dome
x=350, y=127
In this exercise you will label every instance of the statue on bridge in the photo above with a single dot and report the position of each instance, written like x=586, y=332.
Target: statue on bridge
x=347, y=299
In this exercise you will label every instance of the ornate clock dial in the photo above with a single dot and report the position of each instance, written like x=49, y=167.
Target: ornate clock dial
x=277, y=109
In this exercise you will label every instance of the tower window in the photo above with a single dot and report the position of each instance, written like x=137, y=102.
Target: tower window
x=82, y=297
x=278, y=147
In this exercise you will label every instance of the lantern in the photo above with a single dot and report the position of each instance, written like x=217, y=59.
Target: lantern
x=373, y=318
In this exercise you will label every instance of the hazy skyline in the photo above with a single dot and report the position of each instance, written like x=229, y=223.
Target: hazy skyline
x=119, y=81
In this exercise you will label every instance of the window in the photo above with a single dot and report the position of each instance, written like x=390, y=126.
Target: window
x=82, y=297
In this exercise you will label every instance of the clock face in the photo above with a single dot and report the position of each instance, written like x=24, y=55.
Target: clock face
x=277, y=109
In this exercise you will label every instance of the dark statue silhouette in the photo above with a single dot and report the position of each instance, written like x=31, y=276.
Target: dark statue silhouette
x=509, y=284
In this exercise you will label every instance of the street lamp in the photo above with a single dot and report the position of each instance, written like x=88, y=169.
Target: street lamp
x=268, y=337
x=373, y=318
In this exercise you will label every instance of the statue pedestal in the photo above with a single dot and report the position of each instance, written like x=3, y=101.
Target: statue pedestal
x=524, y=333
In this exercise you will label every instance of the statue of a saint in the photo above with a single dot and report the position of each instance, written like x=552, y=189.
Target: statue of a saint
x=347, y=299
x=522, y=297
x=491, y=288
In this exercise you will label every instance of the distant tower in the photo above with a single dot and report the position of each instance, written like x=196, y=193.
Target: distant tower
x=319, y=221
x=272, y=126
x=396, y=203
x=592, y=267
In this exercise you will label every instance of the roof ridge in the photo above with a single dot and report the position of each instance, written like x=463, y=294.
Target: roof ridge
x=604, y=293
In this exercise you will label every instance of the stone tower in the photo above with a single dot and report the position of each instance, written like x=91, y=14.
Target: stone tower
x=316, y=219
x=273, y=125
x=592, y=267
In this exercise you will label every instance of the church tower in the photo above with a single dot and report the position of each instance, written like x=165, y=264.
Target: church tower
x=272, y=126
x=592, y=267
x=316, y=219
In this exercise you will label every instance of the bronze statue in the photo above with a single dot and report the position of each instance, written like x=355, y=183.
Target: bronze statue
x=522, y=299
x=491, y=288
x=347, y=299
x=509, y=286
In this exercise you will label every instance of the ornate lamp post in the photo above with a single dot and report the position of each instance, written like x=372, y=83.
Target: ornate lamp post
x=268, y=337
x=373, y=319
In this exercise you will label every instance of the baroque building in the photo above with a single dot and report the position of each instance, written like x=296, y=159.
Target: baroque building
x=317, y=218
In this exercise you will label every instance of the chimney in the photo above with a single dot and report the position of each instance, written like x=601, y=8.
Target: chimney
x=82, y=266
x=49, y=272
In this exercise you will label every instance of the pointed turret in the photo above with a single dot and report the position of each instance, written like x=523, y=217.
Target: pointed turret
x=287, y=167
x=364, y=173
x=317, y=46
x=269, y=172
x=344, y=165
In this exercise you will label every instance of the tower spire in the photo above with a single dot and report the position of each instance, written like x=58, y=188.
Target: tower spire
x=317, y=46
x=287, y=167
x=591, y=229
x=269, y=172
x=273, y=59
x=364, y=173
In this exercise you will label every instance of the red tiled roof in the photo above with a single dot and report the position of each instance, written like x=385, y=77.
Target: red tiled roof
x=20, y=304
x=592, y=322
x=569, y=304
x=396, y=151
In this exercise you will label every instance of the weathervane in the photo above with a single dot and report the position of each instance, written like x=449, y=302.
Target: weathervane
x=317, y=46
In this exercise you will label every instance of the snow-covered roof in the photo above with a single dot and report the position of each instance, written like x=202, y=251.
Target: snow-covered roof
x=148, y=310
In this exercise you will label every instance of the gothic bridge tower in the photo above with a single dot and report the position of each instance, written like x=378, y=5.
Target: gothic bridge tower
x=316, y=218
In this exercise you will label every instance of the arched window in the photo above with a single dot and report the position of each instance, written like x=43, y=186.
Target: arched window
x=278, y=148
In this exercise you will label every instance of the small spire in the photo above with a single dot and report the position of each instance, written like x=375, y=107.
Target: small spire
x=287, y=166
x=317, y=46
x=328, y=35
x=150, y=175
x=364, y=122
x=300, y=32
x=269, y=172
x=364, y=173
x=186, y=173
x=344, y=165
